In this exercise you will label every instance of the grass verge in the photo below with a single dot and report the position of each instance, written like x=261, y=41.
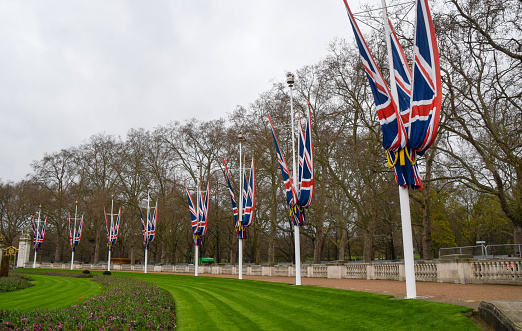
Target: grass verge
x=208, y=303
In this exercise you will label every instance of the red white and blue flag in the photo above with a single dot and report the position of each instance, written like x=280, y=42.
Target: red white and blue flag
x=199, y=220
x=193, y=212
x=416, y=120
x=301, y=199
x=232, y=196
x=306, y=164
x=74, y=238
x=203, y=212
x=38, y=234
x=393, y=131
x=149, y=227
x=113, y=229
x=249, y=200
x=427, y=87
x=291, y=196
x=406, y=172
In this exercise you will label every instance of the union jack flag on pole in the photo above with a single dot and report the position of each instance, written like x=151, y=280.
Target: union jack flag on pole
x=38, y=233
x=426, y=95
x=232, y=197
x=203, y=213
x=249, y=199
x=148, y=227
x=301, y=199
x=199, y=217
x=393, y=132
x=416, y=101
x=193, y=212
x=291, y=196
x=75, y=236
x=112, y=229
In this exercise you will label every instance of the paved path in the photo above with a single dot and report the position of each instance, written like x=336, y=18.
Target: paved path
x=469, y=295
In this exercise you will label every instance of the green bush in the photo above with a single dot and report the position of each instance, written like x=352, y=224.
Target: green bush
x=106, y=273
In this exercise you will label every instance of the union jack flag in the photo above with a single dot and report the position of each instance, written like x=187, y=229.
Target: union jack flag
x=306, y=164
x=74, y=238
x=249, y=199
x=301, y=199
x=203, y=212
x=39, y=234
x=427, y=87
x=113, y=229
x=193, y=212
x=291, y=196
x=148, y=229
x=406, y=173
x=232, y=197
x=393, y=131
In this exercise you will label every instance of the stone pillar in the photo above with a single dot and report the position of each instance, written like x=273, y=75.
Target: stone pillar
x=24, y=248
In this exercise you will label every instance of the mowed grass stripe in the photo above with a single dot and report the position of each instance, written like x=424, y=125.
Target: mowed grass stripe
x=242, y=309
x=277, y=306
x=50, y=292
x=231, y=304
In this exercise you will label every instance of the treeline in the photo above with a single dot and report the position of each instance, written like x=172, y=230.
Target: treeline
x=472, y=175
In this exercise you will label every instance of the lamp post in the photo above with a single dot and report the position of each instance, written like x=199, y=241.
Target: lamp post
x=36, y=235
x=297, y=245
x=74, y=233
x=196, y=248
x=240, y=138
x=147, y=226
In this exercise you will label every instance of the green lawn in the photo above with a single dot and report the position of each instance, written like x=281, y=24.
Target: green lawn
x=208, y=303
x=50, y=292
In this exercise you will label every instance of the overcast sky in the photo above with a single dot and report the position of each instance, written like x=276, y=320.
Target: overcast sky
x=72, y=69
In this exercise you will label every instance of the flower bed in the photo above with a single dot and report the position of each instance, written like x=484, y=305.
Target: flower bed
x=126, y=304
x=14, y=282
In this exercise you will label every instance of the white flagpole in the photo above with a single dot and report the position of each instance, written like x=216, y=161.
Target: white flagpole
x=297, y=245
x=110, y=235
x=36, y=236
x=409, y=264
x=74, y=235
x=147, y=226
x=240, y=214
x=196, y=249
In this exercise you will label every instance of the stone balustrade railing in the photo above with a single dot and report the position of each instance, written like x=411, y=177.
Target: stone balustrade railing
x=468, y=271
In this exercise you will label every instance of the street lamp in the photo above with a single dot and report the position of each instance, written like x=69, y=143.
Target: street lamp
x=240, y=138
x=297, y=245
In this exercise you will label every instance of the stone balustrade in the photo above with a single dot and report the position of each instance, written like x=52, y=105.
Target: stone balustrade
x=461, y=271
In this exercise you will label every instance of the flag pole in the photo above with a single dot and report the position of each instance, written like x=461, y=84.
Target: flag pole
x=297, y=245
x=147, y=226
x=110, y=234
x=74, y=234
x=404, y=198
x=196, y=249
x=36, y=235
x=240, y=215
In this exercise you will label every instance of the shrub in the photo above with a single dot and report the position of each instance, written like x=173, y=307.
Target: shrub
x=106, y=273
x=87, y=272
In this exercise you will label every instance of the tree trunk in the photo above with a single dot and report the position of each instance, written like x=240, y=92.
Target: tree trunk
x=132, y=256
x=342, y=244
x=369, y=242
x=319, y=243
x=233, y=253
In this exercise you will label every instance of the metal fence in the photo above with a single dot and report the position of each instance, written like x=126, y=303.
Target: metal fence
x=504, y=250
